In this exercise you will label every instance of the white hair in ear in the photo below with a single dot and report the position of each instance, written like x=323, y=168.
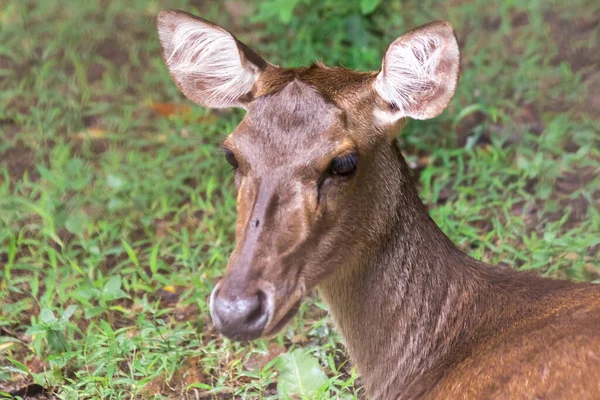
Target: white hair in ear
x=419, y=73
x=210, y=55
x=409, y=72
x=209, y=65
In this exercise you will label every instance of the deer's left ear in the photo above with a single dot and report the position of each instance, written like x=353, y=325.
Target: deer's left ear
x=419, y=73
x=208, y=64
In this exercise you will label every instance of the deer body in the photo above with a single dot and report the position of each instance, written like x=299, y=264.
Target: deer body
x=325, y=200
x=422, y=320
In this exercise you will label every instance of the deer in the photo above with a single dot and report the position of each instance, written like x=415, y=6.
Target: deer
x=325, y=200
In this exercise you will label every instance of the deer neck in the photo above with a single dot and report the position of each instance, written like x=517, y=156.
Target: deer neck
x=407, y=301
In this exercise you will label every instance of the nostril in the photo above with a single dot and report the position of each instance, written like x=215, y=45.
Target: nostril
x=258, y=310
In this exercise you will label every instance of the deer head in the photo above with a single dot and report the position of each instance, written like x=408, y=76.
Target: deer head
x=314, y=157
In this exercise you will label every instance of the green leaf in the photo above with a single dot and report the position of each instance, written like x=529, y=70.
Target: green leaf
x=76, y=222
x=199, y=385
x=34, y=283
x=154, y=259
x=20, y=366
x=468, y=110
x=357, y=30
x=69, y=312
x=56, y=340
x=286, y=10
x=88, y=293
x=54, y=377
x=108, y=330
x=299, y=374
x=131, y=253
x=47, y=316
x=93, y=312
x=40, y=379
x=112, y=289
x=368, y=6
x=114, y=181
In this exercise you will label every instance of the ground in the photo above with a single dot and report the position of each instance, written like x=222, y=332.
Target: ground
x=117, y=207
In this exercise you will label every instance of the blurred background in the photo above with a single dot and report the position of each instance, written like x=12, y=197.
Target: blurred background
x=117, y=207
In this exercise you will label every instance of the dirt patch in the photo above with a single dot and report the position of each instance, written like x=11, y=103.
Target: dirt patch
x=519, y=19
x=467, y=126
x=259, y=361
x=19, y=160
x=569, y=182
x=19, y=105
x=96, y=147
x=175, y=386
x=8, y=129
x=31, y=391
x=113, y=51
x=6, y=64
x=568, y=33
x=20, y=385
x=572, y=37
x=564, y=187
x=95, y=72
x=593, y=85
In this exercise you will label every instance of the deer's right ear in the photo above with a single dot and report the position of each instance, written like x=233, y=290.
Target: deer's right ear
x=209, y=65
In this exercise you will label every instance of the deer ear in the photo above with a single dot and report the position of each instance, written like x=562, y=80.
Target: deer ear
x=419, y=73
x=209, y=65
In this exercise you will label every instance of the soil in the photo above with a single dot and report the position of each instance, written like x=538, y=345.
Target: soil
x=19, y=160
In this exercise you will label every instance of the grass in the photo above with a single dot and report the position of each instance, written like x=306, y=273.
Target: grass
x=117, y=208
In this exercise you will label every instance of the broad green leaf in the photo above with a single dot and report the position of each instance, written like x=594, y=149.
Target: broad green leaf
x=112, y=289
x=88, y=293
x=47, y=316
x=76, y=222
x=286, y=10
x=69, y=312
x=56, y=340
x=93, y=312
x=114, y=181
x=299, y=374
x=368, y=6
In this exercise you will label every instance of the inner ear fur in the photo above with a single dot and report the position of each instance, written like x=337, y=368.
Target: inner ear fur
x=419, y=72
x=208, y=64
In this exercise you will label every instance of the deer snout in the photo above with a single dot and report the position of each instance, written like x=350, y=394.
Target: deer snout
x=240, y=316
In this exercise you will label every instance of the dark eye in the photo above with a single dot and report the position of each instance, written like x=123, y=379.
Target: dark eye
x=230, y=157
x=344, y=165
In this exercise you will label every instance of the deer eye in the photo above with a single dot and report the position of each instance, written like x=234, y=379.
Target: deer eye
x=344, y=165
x=230, y=157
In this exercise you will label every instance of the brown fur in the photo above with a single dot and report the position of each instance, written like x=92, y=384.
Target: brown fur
x=420, y=318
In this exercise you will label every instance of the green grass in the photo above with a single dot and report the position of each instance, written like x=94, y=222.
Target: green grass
x=116, y=221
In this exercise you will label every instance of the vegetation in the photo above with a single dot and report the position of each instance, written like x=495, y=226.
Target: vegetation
x=117, y=207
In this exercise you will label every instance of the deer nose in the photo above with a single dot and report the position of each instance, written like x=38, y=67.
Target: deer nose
x=239, y=316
